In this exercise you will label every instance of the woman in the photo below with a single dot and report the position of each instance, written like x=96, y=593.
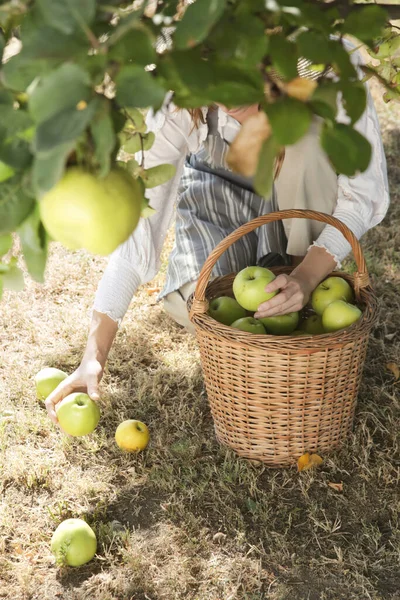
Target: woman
x=213, y=201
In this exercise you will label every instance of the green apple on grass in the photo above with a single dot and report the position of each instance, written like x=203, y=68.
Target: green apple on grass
x=312, y=325
x=339, y=314
x=249, y=287
x=281, y=325
x=249, y=324
x=47, y=380
x=77, y=414
x=73, y=543
x=226, y=310
x=332, y=288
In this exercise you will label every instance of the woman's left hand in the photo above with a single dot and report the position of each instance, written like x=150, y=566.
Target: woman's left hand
x=294, y=293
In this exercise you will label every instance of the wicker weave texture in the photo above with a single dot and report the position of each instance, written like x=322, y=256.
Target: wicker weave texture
x=273, y=398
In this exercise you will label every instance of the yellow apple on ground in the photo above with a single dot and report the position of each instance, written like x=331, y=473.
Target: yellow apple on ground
x=249, y=324
x=47, y=380
x=340, y=314
x=83, y=211
x=132, y=435
x=249, y=287
x=332, y=288
x=78, y=414
x=312, y=325
x=73, y=543
x=226, y=310
x=281, y=325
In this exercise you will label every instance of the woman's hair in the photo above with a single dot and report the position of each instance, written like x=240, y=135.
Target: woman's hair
x=197, y=116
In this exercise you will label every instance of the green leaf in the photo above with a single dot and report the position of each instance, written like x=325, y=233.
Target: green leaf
x=5, y=172
x=354, y=99
x=197, y=21
x=15, y=125
x=137, y=88
x=324, y=100
x=34, y=241
x=15, y=203
x=6, y=243
x=347, y=149
x=2, y=44
x=264, y=177
x=137, y=46
x=315, y=47
x=43, y=49
x=290, y=120
x=366, y=23
x=63, y=88
x=158, y=175
x=284, y=56
x=341, y=60
x=104, y=137
x=67, y=15
x=65, y=126
x=133, y=143
x=48, y=167
x=241, y=40
x=136, y=119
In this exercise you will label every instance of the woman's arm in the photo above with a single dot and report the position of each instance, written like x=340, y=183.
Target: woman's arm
x=87, y=376
x=136, y=261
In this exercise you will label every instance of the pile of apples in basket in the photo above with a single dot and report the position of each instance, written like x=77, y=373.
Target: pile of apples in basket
x=332, y=304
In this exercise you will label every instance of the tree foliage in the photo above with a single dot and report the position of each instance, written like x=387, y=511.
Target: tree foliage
x=72, y=91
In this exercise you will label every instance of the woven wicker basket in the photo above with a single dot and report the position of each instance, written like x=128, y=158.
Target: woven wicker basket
x=273, y=398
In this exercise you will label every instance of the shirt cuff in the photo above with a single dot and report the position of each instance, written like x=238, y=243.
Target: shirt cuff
x=333, y=240
x=116, y=289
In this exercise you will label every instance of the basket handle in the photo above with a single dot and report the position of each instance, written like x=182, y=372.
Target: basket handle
x=361, y=277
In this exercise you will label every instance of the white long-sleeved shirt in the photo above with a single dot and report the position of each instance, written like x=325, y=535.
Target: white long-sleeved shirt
x=362, y=201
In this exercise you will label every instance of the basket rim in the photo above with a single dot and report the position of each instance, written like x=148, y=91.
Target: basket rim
x=300, y=343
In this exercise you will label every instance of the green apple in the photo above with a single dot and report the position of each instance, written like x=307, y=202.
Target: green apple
x=226, y=310
x=78, y=414
x=73, y=543
x=340, y=314
x=332, y=288
x=249, y=287
x=47, y=380
x=249, y=324
x=297, y=332
x=282, y=325
x=313, y=325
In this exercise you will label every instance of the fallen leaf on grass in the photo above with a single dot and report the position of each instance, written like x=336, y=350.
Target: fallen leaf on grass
x=394, y=369
x=308, y=461
x=338, y=487
x=151, y=291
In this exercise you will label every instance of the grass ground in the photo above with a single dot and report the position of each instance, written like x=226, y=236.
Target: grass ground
x=187, y=519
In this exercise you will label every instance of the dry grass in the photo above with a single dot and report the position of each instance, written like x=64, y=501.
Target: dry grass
x=187, y=519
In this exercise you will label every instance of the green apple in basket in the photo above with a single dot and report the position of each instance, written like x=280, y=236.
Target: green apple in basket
x=226, y=310
x=282, y=324
x=249, y=287
x=329, y=290
x=312, y=325
x=249, y=324
x=339, y=314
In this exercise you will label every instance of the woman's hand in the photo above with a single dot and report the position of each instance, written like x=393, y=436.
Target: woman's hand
x=294, y=293
x=86, y=379
x=296, y=288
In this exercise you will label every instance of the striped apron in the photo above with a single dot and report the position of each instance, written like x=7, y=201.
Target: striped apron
x=213, y=202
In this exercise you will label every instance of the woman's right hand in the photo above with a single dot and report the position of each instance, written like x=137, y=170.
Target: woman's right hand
x=86, y=379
